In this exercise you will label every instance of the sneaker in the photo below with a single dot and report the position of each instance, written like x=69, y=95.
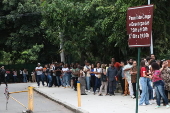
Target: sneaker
x=88, y=91
x=167, y=106
x=97, y=90
x=85, y=90
x=38, y=86
x=143, y=104
x=157, y=107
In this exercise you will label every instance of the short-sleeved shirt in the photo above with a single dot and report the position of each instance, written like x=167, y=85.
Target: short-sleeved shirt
x=156, y=76
x=39, y=72
x=58, y=73
x=86, y=68
x=142, y=70
x=99, y=70
x=117, y=65
x=127, y=73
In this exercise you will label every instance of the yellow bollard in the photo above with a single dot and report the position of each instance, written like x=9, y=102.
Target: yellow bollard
x=30, y=98
x=78, y=94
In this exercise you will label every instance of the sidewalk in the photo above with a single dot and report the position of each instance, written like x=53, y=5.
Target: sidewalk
x=97, y=104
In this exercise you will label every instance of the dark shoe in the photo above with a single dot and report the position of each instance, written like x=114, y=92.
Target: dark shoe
x=75, y=89
x=110, y=94
x=94, y=93
x=100, y=95
x=84, y=94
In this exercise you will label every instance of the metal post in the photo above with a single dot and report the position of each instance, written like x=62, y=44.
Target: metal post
x=30, y=98
x=78, y=94
x=137, y=88
x=151, y=47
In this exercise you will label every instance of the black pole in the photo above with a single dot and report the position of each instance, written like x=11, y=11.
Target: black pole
x=138, y=74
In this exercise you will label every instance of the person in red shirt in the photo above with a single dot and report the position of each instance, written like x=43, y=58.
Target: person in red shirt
x=116, y=64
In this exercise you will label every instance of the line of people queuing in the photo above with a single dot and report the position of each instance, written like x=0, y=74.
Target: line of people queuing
x=154, y=80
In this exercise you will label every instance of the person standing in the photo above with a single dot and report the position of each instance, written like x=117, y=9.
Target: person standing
x=82, y=81
x=87, y=69
x=33, y=76
x=133, y=73
x=97, y=72
x=165, y=71
x=24, y=75
x=75, y=74
x=39, y=71
x=112, y=72
x=48, y=72
x=159, y=85
x=20, y=75
x=57, y=75
x=144, y=100
x=103, y=80
x=3, y=75
x=93, y=77
x=65, y=76
x=15, y=75
x=122, y=76
x=126, y=70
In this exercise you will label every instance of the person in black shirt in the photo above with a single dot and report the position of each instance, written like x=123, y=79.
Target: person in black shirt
x=2, y=75
x=58, y=70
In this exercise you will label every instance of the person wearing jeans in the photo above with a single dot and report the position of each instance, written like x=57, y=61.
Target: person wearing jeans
x=144, y=100
x=40, y=76
x=87, y=69
x=97, y=72
x=159, y=85
x=58, y=70
x=24, y=76
x=112, y=72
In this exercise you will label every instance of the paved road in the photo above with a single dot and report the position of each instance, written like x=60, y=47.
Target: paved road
x=41, y=104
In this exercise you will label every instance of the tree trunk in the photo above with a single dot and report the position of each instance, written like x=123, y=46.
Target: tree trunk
x=61, y=48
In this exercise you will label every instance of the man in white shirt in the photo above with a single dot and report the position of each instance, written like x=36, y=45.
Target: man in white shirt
x=39, y=73
x=127, y=74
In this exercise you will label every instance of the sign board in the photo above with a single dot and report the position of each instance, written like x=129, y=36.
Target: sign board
x=139, y=25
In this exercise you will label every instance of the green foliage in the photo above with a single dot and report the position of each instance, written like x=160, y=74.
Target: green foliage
x=92, y=29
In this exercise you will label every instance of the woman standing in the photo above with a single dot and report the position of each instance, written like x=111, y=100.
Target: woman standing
x=82, y=81
x=24, y=75
x=144, y=100
x=165, y=71
x=15, y=75
x=103, y=80
x=97, y=72
x=49, y=73
x=159, y=85
x=133, y=73
x=93, y=77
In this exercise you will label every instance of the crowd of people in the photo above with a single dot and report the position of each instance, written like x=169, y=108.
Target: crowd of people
x=154, y=78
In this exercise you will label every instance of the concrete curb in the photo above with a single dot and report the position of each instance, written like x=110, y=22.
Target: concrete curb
x=65, y=104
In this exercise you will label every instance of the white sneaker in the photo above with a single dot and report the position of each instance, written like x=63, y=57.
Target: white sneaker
x=88, y=91
x=157, y=107
x=97, y=90
x=167, y=106
x=143, y=104
x=85, y=90
x=38, y=86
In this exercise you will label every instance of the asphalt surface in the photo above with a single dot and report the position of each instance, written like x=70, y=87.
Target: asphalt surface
x=41, y=103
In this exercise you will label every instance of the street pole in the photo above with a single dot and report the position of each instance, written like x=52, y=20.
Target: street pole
x=151, y=47
x=137, y=88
